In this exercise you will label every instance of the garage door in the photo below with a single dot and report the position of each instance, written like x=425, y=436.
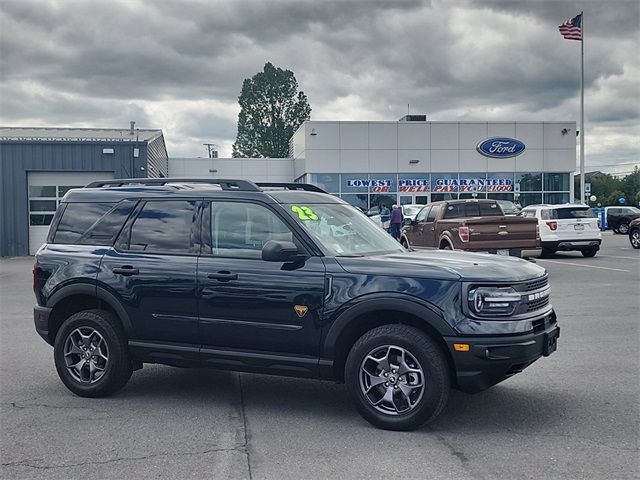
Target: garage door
x=46, y=189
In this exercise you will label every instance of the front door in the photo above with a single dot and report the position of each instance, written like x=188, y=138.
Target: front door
x=256, y=314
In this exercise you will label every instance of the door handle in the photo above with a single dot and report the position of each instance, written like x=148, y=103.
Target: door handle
x=126, y=270
x=222, y=276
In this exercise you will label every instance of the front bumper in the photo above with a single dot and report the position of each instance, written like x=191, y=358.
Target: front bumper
x=572, y=244
x=41, y=319
x=493, y=359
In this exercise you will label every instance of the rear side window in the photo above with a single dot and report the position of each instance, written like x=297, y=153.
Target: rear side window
x=490, y=210
x=105, y=231
x=163, y=227
x=77, y=219
x=455, y=211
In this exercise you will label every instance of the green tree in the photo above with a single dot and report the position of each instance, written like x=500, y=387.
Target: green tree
x=271, y=110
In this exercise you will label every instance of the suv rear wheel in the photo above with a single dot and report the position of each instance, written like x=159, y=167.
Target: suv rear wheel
x=397, y=377
x=589, y=252
x=91, y=354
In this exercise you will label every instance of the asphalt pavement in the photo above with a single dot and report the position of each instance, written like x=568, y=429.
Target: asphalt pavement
x=574, y=415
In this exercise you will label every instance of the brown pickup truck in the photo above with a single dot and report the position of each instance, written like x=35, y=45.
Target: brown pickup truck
x=472, y=225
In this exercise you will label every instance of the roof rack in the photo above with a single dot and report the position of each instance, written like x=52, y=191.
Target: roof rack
x=307, y=187
x=225, y=184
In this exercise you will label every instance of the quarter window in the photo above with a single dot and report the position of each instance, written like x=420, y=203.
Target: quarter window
x=77, y=219
x=163, y=227
x=241, y=229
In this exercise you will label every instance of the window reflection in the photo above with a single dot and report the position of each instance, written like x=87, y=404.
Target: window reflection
x=163, y=227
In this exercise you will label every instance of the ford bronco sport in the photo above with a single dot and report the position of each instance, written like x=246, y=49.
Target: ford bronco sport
x=278, y=279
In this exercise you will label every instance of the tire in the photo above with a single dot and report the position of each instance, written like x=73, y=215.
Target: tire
x=400, y=411
x=634, y=238
x=445, y=246
x=98, y=376
x=405, y=243
x=589, y=252
x=623, y=228
x=547, y=252
x=615, y=230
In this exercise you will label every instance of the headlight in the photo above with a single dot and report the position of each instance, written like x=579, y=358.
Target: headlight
x=493, y=301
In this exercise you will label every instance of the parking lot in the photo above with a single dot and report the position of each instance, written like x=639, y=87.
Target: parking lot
x=574, y=415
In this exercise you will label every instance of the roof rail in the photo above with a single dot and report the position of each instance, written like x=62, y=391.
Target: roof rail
x=307, y=187
x=225, y=184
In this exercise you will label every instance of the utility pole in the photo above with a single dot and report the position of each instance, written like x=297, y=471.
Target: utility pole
x=212, y=150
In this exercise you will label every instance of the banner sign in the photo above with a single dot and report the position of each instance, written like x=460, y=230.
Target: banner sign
x=500, y=147
x=467, y=185
x=406, y=185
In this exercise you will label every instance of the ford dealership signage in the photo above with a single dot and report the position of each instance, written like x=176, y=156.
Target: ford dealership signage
x=500, y=147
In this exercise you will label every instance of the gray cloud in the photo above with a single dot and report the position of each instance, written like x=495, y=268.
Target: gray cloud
x=179, y=66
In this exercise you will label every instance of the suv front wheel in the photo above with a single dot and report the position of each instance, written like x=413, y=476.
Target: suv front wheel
x=91, y=354
x=397, y=377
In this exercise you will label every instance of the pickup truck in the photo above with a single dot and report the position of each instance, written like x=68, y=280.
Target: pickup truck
x=472, y=225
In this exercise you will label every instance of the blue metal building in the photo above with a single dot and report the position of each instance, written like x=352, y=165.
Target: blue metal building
x=39, y=165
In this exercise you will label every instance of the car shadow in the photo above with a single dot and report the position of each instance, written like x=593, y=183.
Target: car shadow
x=512, y=407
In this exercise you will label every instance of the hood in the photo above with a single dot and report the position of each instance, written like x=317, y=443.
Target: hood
x=445, y=265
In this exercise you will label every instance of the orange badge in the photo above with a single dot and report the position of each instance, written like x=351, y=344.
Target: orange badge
x=301, y=310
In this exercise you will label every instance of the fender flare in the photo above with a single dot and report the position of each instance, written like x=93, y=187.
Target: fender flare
x=446, y=236
x=398, y=302
x=96, y=291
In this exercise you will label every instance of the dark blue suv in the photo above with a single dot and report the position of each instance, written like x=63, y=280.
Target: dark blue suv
x=279, y=279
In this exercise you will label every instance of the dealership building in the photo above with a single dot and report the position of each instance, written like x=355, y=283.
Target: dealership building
x=39, y=165
x=366, y=163
x=415, y=161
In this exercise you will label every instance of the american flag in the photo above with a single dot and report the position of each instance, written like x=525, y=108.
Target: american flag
x=572, y=28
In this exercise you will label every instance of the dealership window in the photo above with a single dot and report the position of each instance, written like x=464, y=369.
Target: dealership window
x=43, y=202
x=556, y=182
x=383, y=183
x=530, y=199
x=529, y=182
x=354, y=183
x=558, y=197
x=500, y=196
x=329, y=182
x=361, y=201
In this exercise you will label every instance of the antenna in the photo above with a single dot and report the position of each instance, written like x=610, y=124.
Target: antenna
x=212, y=149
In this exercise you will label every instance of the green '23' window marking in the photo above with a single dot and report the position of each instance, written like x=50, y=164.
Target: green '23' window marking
x=304, y=213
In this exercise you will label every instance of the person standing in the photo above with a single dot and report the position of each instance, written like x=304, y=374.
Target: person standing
x=384, y=216
x=396, y=221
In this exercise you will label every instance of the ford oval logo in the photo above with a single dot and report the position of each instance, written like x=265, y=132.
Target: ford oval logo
x=501, y=147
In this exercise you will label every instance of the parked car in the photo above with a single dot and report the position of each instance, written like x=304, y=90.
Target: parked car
x=509, y=208
x=231, y=275
x=619, y=218
x=634, y=233
x=471, y=225
x=408, y=211
x=566, y=227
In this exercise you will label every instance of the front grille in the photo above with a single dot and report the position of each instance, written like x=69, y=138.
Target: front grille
x=536, y=284
x=537, y=304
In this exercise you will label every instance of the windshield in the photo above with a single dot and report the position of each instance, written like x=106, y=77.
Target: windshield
x=343, y=230
x=412, y=210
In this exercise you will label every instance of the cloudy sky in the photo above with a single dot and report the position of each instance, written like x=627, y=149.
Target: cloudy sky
x=179, y=65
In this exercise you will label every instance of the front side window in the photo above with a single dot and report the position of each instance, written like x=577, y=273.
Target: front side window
x=241, y=229
x=432, y=214
x=422, y=215
x=163, y=227
x=343, y=230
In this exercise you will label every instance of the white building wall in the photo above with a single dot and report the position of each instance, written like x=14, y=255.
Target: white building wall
x=254, y=169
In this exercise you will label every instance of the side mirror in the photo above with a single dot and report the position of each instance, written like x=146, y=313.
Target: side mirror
x=407, y=222
x=279, y=251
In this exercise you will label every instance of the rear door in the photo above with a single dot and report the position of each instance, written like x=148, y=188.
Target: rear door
x=575, y=222
x=152, y=270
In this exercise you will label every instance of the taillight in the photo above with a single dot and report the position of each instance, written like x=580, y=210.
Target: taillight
x=537, y=232
x=464, y=233
x=552, y=226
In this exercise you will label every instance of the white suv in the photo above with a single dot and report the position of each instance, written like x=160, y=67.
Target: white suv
x=566, y=227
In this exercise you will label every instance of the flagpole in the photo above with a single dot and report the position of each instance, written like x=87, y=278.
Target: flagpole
x=582, y=192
